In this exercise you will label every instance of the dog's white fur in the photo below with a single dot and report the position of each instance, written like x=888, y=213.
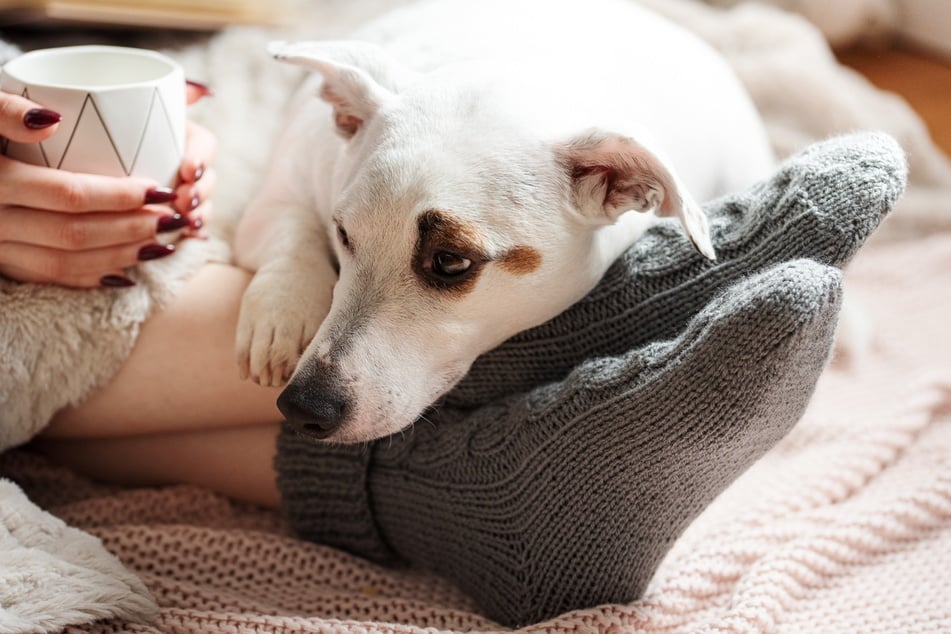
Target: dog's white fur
x=530, y=126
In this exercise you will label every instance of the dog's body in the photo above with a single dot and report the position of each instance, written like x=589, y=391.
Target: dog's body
x=467, y=176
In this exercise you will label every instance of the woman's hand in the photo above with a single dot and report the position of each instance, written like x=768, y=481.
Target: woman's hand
x=82, y=230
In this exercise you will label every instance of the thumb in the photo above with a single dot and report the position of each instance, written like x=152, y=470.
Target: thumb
x=24, y=121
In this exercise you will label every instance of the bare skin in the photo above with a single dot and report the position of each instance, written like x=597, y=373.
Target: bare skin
x=176, y=411
x=236, y=461
x=181, y=374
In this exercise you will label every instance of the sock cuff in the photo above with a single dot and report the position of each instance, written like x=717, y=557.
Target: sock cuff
x=325, y=493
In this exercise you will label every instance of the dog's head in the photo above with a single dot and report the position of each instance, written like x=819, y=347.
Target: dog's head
x=460, y=220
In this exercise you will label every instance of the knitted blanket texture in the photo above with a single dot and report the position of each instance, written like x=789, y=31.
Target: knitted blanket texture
x=843, y=526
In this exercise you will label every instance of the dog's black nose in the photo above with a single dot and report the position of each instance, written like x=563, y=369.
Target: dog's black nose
x=312, y=409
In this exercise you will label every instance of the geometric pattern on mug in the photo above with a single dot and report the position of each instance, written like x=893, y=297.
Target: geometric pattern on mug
x=127, y=133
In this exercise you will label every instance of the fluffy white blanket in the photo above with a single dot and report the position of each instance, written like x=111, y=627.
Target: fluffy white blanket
x=53, y=575
x=842, y=522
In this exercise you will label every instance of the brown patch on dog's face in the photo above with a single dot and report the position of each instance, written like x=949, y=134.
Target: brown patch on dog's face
x=521, y=260
x=449, y=255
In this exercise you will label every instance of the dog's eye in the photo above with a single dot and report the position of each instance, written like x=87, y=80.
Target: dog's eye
x=344, y=238
x=449, y=264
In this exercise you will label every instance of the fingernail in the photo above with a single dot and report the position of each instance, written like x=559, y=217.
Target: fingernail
x=156, y=251
x=197, y=223
x=160, y=195
x=115, y=281
x=199, y=171
x=200, y=87
x=39, y=118
x=172, y=223
x=194, y=202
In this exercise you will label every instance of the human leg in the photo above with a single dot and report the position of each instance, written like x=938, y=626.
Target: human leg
x=234, y=461
x=329, y=489
x=181, y=375
x=176, y=411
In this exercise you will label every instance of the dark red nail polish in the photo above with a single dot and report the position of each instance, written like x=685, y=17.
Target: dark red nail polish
x=199, y=171
x=172, y=223
x=200, y=87
x=160, y=195
x=156, y=251
x=115, y=281
x=39, y=118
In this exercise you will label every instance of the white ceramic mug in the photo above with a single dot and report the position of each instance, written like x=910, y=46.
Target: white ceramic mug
x=123, y=110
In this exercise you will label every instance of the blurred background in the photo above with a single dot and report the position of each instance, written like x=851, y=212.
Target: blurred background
x=164, y=14
x=900, y=45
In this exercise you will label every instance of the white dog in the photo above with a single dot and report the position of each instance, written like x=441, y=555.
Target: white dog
x=463, y=173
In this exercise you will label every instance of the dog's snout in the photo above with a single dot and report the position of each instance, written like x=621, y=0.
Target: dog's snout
x=313, y=408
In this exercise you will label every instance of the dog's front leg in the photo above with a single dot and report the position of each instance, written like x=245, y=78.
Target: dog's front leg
x=286, y=300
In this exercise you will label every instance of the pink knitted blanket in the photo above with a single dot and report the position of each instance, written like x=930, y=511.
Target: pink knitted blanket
x=845, y=526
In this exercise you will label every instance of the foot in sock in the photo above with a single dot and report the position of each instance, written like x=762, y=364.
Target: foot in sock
x=821, y=204
x=570, y=495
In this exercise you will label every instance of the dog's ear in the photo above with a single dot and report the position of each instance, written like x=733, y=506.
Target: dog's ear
x=611, y=174
x=358, y=77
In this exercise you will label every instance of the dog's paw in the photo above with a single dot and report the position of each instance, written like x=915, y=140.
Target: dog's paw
x=275, y=325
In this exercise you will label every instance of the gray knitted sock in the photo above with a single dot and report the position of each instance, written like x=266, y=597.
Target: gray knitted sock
x=821, y=204
x=569, y=496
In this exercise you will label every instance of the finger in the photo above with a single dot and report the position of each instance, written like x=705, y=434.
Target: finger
x=58, y=190
x=80, y=232
x=189, y=196
x=198, y=226
x=75, y=268
x=200, y=146
x=195, y=91
x=115, y=279
x=24, y=121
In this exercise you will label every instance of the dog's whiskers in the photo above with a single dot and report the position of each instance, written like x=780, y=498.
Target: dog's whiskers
x=424, y=418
